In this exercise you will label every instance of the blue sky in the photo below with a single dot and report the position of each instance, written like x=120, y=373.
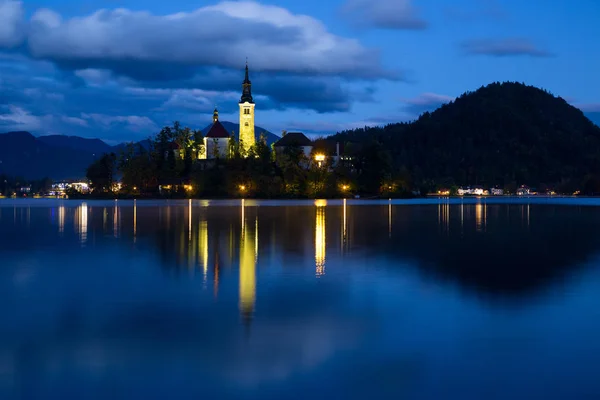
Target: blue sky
x=119, y=70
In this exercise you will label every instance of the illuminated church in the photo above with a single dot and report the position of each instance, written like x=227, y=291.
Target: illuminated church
x=216, y=140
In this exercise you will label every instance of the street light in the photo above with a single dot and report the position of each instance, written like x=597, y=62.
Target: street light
x=319, y=158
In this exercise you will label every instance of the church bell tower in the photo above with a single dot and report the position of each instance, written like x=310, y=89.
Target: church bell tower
x=247, y=137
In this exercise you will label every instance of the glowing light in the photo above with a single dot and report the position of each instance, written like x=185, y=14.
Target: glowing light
x=242, y=188
x=320, y=241
x=320, y=157
x=188, y=188
x=320, y=203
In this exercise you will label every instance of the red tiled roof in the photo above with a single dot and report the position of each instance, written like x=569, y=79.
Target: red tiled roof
x=217, y=131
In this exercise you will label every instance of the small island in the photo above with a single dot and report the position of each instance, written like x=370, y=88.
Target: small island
x=502, y=139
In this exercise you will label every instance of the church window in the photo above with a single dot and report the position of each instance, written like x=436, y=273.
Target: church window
x=246, y=124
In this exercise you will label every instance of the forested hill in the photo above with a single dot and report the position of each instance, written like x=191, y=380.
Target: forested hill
x=502, y=134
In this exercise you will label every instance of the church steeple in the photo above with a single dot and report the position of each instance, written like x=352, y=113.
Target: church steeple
x=215, y=115
x=246, y=137
x=246, y=88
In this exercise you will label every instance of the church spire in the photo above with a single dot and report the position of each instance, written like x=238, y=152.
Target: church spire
x=215, y=115
x=246, y=88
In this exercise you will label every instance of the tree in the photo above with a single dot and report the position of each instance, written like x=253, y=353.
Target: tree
x=101, y=173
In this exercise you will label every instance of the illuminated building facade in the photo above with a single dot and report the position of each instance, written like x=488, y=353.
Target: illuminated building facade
x=247, y=138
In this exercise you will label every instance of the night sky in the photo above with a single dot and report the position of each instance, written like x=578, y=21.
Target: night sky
x=119, y=70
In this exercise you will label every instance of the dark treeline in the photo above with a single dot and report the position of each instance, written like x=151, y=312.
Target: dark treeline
x=504, y=134
x=172, y=162
x=10, y=185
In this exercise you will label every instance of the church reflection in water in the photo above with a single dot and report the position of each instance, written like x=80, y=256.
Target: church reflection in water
x=248, y=257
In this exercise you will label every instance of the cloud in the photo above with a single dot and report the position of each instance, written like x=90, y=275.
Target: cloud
x=11, y=23
x=132, y=122
x=588, y=107
x=17, y=118
x=503, y=48
x=75, y=121
x=415, y=106
x=388, y=14
x=147, y=46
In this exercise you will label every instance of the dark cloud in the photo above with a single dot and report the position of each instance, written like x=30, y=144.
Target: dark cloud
x=503, y=48
x=133, y=43
x=424, y=102
x=388, y=14
x=120, y=74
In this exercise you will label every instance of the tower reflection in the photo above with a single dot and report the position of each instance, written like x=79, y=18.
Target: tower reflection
x=61, y=219
x=248, y=256
x=320, y=240
x=83, y=222
x=203, y=246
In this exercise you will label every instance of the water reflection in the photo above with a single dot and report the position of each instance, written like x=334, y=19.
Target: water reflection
x=248, y=258
x=480, y=216
x=365, y=329
x=320, y=240
x=61, y=219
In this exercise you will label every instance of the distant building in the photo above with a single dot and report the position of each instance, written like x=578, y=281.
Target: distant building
x=523, y=191
x=327, y=150
x=293, y=139
x=216, y=141
x=497, y=192
x=478, y=191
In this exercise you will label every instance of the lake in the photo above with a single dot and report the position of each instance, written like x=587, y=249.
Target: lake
x=423, y=299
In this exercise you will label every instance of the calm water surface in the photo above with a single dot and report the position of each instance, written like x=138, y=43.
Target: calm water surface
x=427, y=300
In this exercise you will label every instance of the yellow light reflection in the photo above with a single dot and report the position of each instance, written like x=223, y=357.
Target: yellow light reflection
x=344, y=226
x=248, y=256
x=203, y=246
x=481, y=216
x=83, y=222
x=390, y=218
x=115, y=221
x=61, y=219
x=478, y=217
x=134, y=220
x=190, y=220
x=320, y=241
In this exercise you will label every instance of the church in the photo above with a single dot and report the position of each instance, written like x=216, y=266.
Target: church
x=216, y=140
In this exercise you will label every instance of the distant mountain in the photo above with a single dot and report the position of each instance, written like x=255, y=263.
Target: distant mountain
x=232, y=127
x=76, y=143
x=24, y=155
